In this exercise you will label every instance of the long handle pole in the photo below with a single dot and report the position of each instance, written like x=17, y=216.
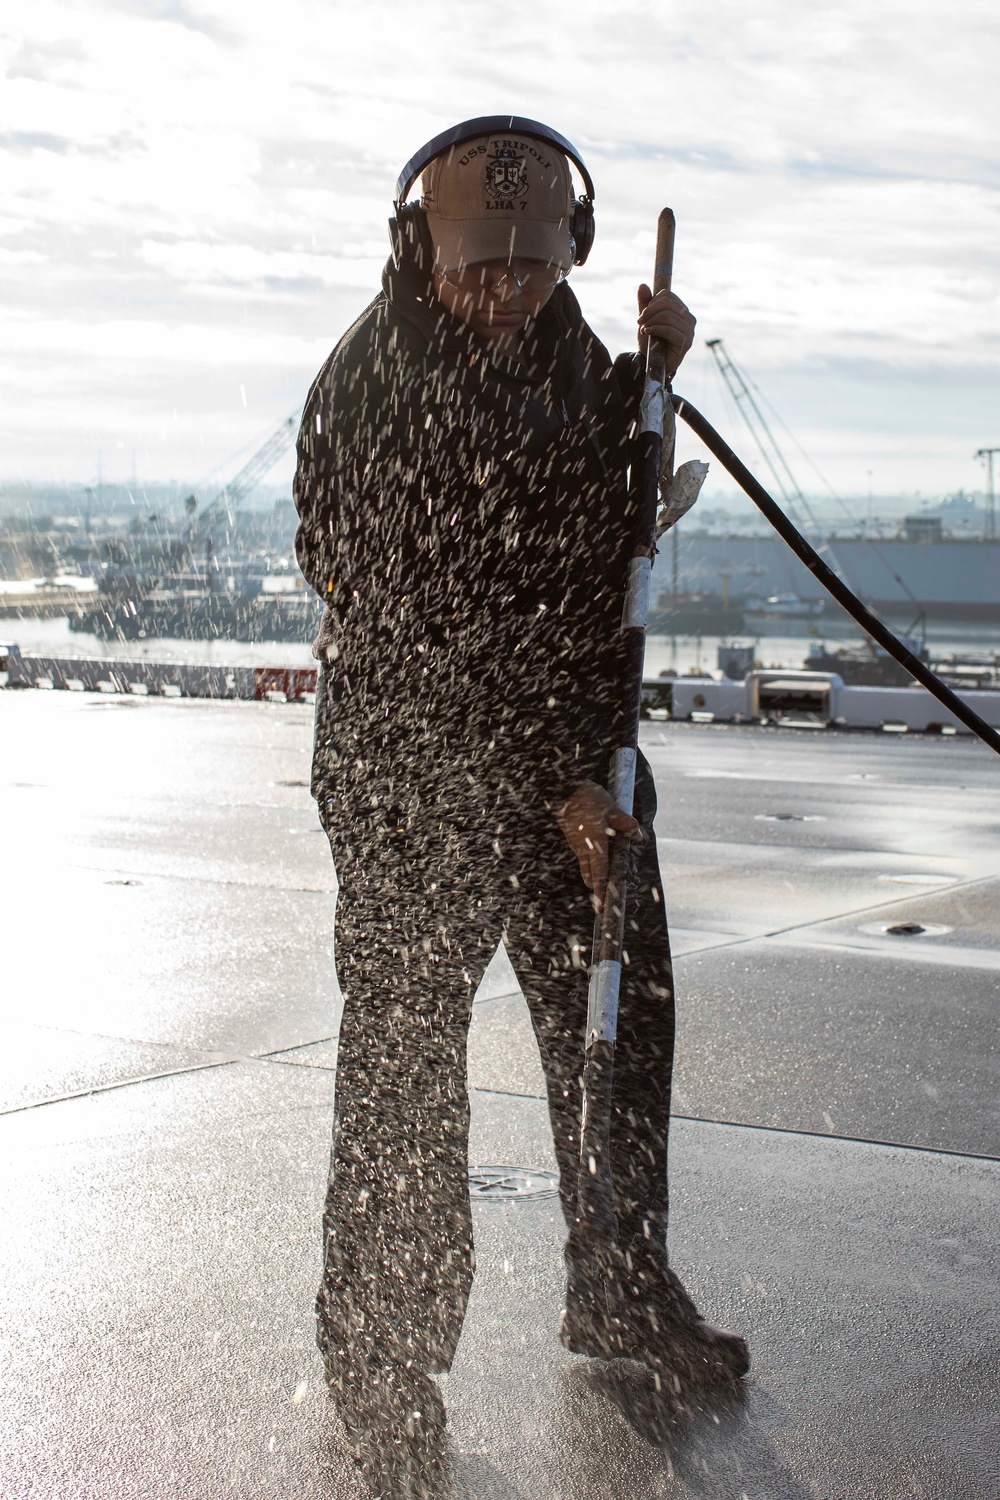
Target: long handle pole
x=653, y=455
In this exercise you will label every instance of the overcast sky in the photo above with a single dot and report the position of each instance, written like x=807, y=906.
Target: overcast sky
x=195, y=199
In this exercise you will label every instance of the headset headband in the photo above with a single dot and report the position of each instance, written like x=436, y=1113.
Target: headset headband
x=486, y=125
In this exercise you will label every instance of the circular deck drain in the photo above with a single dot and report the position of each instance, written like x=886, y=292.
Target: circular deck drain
x=506, y=1184
x=789, y=818
x=904, y=929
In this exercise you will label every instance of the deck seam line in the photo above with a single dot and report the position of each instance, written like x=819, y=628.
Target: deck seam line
x=822, y=1135
x=276, y=1052
x=819, y=1135
x=284, y=1062
x=123, y=1083
x=858, y=911
x=243, y=885
x=223, y=1062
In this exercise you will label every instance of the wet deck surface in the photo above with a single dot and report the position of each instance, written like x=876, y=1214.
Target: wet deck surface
x=170, y=1009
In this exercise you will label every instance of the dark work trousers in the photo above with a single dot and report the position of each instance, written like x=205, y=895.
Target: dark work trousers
x=439, y=852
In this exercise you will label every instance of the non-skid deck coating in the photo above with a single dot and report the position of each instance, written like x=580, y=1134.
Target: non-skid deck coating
x=169, y=986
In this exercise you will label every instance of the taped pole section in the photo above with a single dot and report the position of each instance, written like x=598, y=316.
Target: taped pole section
x=596, y=1218
x=834, y=586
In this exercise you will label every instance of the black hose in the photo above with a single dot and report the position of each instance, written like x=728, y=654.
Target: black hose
x=833, y=585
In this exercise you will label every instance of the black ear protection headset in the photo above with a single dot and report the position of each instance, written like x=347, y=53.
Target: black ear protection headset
x=408, y=229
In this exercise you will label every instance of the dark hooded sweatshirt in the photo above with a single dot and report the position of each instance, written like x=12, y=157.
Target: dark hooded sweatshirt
x=465, y=521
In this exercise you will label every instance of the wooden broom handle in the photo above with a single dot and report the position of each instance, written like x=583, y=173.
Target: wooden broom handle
x=656, y=357
x=665, y=226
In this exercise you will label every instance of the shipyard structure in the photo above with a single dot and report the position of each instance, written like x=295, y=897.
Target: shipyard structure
x=921, y=571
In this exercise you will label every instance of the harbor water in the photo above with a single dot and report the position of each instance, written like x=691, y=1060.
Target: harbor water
x=778, y=643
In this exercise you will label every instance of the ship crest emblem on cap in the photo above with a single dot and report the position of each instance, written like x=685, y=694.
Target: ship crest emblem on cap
x=506, y=178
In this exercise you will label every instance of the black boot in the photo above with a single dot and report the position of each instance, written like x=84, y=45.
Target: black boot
x=395, y=1420
x=591, y=1322
x=668, y=1333
x=643, y=1312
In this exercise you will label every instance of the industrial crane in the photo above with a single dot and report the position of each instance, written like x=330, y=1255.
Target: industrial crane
x=781, y=472
x=227, y=501
x=787, y=485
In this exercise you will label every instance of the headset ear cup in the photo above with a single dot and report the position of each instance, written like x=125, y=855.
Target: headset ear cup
x=410, y=237
x=582, y=229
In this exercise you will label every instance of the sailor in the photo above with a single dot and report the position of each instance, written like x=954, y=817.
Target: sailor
x=462, y=493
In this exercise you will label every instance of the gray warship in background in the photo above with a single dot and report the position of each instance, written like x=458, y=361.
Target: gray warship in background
x=735, y=583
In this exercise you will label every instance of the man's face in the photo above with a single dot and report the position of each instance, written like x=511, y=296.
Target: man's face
x=497, y=298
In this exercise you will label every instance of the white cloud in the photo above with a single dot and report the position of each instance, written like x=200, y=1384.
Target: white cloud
x=201, y=187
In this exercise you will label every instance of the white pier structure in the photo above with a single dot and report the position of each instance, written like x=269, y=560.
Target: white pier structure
x=817, y=699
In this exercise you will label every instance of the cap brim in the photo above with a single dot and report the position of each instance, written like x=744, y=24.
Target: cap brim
x=461, y=242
